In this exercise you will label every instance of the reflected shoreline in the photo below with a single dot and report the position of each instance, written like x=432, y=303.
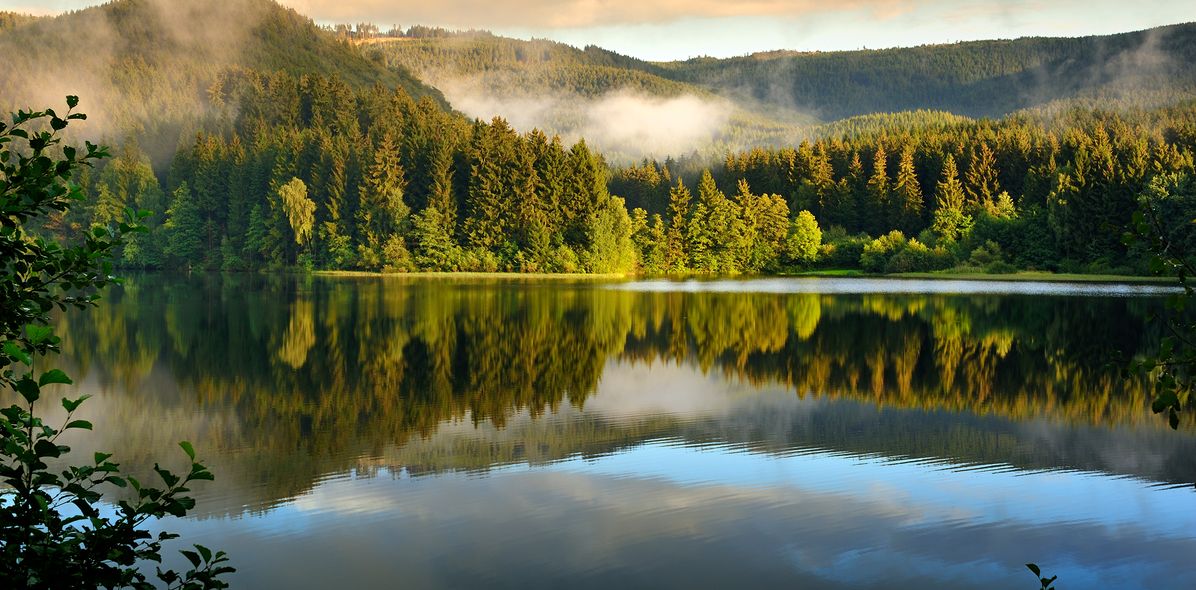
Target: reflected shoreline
x=371, y=367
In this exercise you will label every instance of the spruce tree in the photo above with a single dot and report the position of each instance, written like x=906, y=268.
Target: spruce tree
x=951, y=222
x=676, y=249
x=907, y=194
x=184, y=228
x=879, y=193
x=981, y=180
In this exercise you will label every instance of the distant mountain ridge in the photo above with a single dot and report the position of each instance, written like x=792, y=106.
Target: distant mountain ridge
x=978, y=79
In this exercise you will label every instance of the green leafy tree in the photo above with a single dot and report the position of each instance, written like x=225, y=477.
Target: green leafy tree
x=300, y=210
x=1165, y=227
x=804, y=240
x=611, y=250
x=52, y=532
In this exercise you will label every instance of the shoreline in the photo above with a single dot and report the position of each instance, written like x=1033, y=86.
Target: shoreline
x=1021, y=276
x=473, y=275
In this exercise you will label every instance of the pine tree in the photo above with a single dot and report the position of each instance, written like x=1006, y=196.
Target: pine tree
x=585, y=192
x=434, y=245
x=855, y=195
x=700, y=241
x=382, y=213
x=551, y=164
x=184, y=228
x=676, y=250
x=981, y=180
x=822, y=180
x=441, y=195
x=531, y=225
x=654, y=258
x=951, y=222
x=721, y=237
x=488, y=200
x=879, y=193
x=907, y=194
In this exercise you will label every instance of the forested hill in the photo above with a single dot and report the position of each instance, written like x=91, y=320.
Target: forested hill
x=146, y=67
x=980, y=79
x=622, y=105
x=984, y=78
x=510, y=65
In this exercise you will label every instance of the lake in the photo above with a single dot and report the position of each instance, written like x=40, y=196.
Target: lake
x=519, y=433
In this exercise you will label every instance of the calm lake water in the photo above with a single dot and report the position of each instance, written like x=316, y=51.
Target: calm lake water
x=455, y=433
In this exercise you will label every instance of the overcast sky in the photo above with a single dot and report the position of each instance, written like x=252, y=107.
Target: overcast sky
x=678, y=29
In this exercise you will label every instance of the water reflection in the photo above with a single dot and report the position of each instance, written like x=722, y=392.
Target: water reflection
x=466, y=432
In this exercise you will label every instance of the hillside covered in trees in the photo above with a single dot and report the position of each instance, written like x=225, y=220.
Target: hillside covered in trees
x=626, y=107
x=145, y=68
x=978, y=79
x=289, y=145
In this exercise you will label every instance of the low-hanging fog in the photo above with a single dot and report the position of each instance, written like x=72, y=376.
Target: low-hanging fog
x=621, y=123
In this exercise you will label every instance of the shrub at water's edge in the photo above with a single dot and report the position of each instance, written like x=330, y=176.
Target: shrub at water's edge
x=55, y=530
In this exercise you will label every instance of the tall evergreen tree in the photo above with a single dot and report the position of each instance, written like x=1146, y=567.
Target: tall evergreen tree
x=855, y=195
x=382, y=215
x=490, y=187
x=951, y=222
x=907, y=194
x=677, y=248
x=879, y=193
x=184, y=228
x=981, y=183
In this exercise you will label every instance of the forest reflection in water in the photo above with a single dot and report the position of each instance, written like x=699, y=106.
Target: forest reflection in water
x=305, y=389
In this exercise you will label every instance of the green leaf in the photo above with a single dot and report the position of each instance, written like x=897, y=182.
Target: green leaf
x=38, y=334
x=72, y=405
x=80, y=424
x=72, y=101
x=28, y=389
x=191, y=556
x=1034, y=568
x=167, y=477
x=54, y=376
x=13, y=350
x=45, y=448
x=187, y=448
x=101, y=457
